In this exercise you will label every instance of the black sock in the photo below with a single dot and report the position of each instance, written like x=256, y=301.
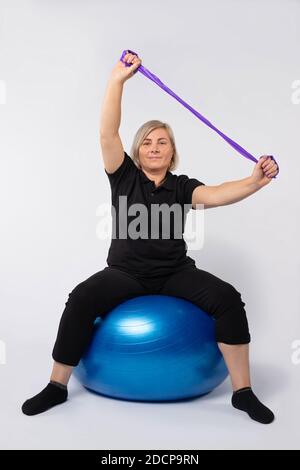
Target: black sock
x=245, y=400
x=54, y=394
x=58, y=384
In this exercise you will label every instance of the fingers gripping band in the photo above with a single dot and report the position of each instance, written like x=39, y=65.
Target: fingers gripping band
x=156, y=80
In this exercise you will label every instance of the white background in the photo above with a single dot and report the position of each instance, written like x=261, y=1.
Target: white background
x=236, y=62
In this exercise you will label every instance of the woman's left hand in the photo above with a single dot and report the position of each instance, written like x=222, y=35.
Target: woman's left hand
x=265, y=169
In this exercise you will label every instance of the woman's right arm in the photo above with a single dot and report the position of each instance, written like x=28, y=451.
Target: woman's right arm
x=111, y=144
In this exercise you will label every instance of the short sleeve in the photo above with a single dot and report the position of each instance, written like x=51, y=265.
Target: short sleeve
x=125, y=170
x=187, y=186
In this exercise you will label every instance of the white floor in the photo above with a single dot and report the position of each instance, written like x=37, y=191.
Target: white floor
x=90, y=421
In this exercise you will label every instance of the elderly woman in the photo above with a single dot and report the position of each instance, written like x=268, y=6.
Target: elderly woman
x=143, y=265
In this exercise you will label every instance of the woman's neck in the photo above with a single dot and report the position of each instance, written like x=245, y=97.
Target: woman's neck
x=158, y=179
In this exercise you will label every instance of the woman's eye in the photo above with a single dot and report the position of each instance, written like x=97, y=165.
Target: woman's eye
x=146, y=143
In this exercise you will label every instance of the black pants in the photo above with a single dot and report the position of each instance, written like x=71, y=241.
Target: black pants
x=105, y=289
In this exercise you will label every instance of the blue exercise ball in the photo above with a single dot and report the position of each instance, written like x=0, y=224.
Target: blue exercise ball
x=153, y=348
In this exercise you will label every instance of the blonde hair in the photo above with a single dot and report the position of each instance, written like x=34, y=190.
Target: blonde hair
x=142, y=133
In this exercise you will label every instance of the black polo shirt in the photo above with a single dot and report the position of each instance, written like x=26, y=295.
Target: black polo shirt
x=156, y=255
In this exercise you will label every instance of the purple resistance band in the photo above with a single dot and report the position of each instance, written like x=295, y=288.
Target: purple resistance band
x=155, y=79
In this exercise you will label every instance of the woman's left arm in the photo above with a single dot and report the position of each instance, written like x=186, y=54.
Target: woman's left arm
x=233, y=191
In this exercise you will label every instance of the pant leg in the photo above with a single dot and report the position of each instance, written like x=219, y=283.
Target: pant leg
x=216, y=297
x=90, y=299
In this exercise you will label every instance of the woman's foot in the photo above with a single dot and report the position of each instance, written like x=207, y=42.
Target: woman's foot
x=245, y=400
x=52, y=395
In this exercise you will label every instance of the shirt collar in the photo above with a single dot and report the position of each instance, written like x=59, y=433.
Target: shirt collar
x=167, y=184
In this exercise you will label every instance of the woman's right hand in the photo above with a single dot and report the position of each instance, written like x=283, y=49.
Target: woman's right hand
x=121, y=73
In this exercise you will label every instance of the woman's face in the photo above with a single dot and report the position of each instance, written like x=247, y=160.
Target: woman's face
x=156, y=151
